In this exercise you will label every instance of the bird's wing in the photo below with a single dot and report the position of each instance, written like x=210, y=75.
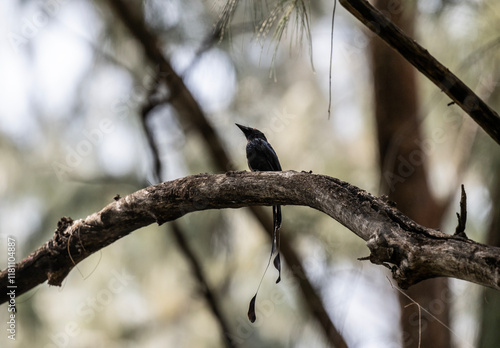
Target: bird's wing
x=270, y=155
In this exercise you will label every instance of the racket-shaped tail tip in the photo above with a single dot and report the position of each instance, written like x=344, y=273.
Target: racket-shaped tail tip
x=251, y=310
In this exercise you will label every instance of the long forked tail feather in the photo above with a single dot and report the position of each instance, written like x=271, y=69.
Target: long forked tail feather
x=276, y=262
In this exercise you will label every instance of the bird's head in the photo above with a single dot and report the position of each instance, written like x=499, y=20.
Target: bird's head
x=251, y=133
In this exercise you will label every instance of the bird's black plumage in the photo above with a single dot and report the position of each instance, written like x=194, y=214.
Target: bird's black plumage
x=262, y=157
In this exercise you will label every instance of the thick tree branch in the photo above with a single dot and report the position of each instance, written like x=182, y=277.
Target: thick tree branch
x=421, y=59
x=412, y=252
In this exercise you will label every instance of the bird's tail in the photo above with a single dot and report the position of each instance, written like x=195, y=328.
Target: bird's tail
x=276, y=227
x=277, y=261
x=277, y=216
x=276, y=239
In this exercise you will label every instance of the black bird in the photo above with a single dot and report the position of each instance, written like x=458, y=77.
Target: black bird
x=262, y=157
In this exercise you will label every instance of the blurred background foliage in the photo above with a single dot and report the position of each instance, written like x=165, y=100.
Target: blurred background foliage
x=68, y=66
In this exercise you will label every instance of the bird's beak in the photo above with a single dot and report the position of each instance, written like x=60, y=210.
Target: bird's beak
x=244, y=129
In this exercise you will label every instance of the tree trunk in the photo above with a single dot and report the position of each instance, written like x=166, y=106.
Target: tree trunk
x=490, y=312
x=404, y=174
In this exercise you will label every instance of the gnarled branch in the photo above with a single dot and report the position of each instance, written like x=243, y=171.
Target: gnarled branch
x=412, y=252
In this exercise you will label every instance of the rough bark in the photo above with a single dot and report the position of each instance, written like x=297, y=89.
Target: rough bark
x=412, y=252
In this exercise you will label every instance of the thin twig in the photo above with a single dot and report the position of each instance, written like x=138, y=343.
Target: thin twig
x=420, y=308
x=331, y=60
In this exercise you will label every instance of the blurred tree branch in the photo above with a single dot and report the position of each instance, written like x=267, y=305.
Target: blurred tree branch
x=421, y=59
x=412, y=252
x=204, y=287
x=179, y=234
